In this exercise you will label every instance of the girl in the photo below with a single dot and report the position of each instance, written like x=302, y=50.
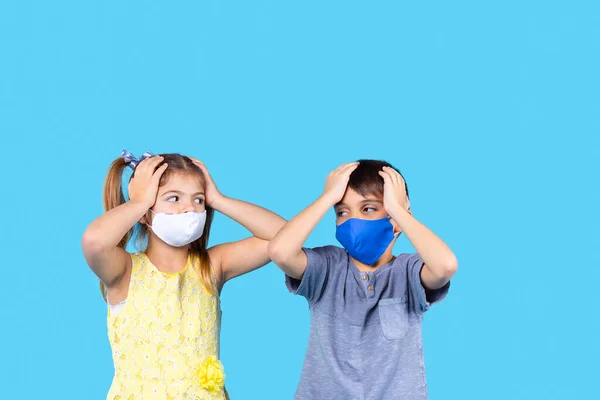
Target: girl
x=164, y=314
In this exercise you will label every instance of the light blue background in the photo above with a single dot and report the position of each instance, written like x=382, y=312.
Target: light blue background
x=490, y=109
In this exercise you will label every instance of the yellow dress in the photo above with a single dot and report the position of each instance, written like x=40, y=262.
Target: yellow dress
x=165, y=339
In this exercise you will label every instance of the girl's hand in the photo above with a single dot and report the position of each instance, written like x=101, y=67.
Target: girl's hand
x=212, y=194
x=143, y=187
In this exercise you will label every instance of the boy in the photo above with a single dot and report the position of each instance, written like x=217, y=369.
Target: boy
x=366, y=305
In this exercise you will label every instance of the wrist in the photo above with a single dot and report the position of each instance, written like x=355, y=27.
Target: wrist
x=398, y=214
x=327, y=199
x=217, y=202
x=140, y=206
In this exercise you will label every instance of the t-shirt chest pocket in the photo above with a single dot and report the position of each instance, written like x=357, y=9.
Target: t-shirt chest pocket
x=393, y=314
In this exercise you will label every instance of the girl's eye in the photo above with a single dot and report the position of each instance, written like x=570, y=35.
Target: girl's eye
x=199, y=200
x=172, y=198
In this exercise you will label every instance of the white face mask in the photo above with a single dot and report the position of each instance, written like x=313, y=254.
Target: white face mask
x=178, y=229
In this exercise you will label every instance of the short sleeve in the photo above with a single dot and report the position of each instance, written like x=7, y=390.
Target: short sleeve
x=420, y=298
x=318, y=267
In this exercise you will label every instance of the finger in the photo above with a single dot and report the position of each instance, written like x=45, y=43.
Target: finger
x=393, y=174
x=339, y=168
x=149, y=160
x=202, y=167
x=387, y=179
x=399, y=180
x=141, y=166
x=339, y=171
x=346, y=165
x=149, y=164
x=160, y=171
x=399, y=175
x=197, y=162
x=154, y=161
x=349, y=168
x=204, y=171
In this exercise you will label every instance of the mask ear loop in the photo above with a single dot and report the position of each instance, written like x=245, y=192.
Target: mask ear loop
x=396, y=234
x=148, y=225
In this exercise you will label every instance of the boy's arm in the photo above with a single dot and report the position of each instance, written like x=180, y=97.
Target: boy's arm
x=440, y=263
x=285, y=249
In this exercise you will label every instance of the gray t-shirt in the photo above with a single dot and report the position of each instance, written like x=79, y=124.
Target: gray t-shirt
x=365, y=333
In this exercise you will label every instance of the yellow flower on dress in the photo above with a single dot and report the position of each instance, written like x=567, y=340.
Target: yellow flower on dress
x=211, y=375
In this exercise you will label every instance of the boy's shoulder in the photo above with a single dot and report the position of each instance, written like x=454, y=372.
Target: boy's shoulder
x=406, y=258
x=336, y=257
x=328, y=254
x=328, y=250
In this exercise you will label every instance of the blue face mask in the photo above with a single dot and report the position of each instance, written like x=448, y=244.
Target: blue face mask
x=366, y=240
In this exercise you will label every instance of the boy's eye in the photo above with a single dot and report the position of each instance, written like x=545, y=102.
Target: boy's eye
x=370, y=209
x=172, y=198
x=341, y=213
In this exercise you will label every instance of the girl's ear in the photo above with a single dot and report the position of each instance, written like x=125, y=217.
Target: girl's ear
x=146, y=219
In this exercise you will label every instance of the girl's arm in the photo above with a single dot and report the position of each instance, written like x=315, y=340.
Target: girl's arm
x=237, y=258
x=101, y=242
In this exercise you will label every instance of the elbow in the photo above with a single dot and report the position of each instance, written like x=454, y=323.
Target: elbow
x=274, y=252
x=443, y=271
x=286, y=259
x=450, y=267
x=282, y=257
x=91, y=243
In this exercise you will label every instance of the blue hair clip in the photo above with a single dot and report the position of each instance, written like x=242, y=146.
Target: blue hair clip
x=133, y=162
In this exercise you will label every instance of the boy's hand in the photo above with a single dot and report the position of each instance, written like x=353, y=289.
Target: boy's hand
x=143, y=187
x=337, y=181
x=394, y=190
x=212, y=193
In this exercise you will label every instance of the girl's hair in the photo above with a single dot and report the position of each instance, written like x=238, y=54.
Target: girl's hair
x=114, y=197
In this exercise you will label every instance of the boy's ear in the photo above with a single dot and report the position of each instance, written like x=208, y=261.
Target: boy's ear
x=397, y=230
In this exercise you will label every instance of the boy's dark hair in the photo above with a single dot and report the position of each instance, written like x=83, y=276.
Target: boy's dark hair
x=365, y=179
